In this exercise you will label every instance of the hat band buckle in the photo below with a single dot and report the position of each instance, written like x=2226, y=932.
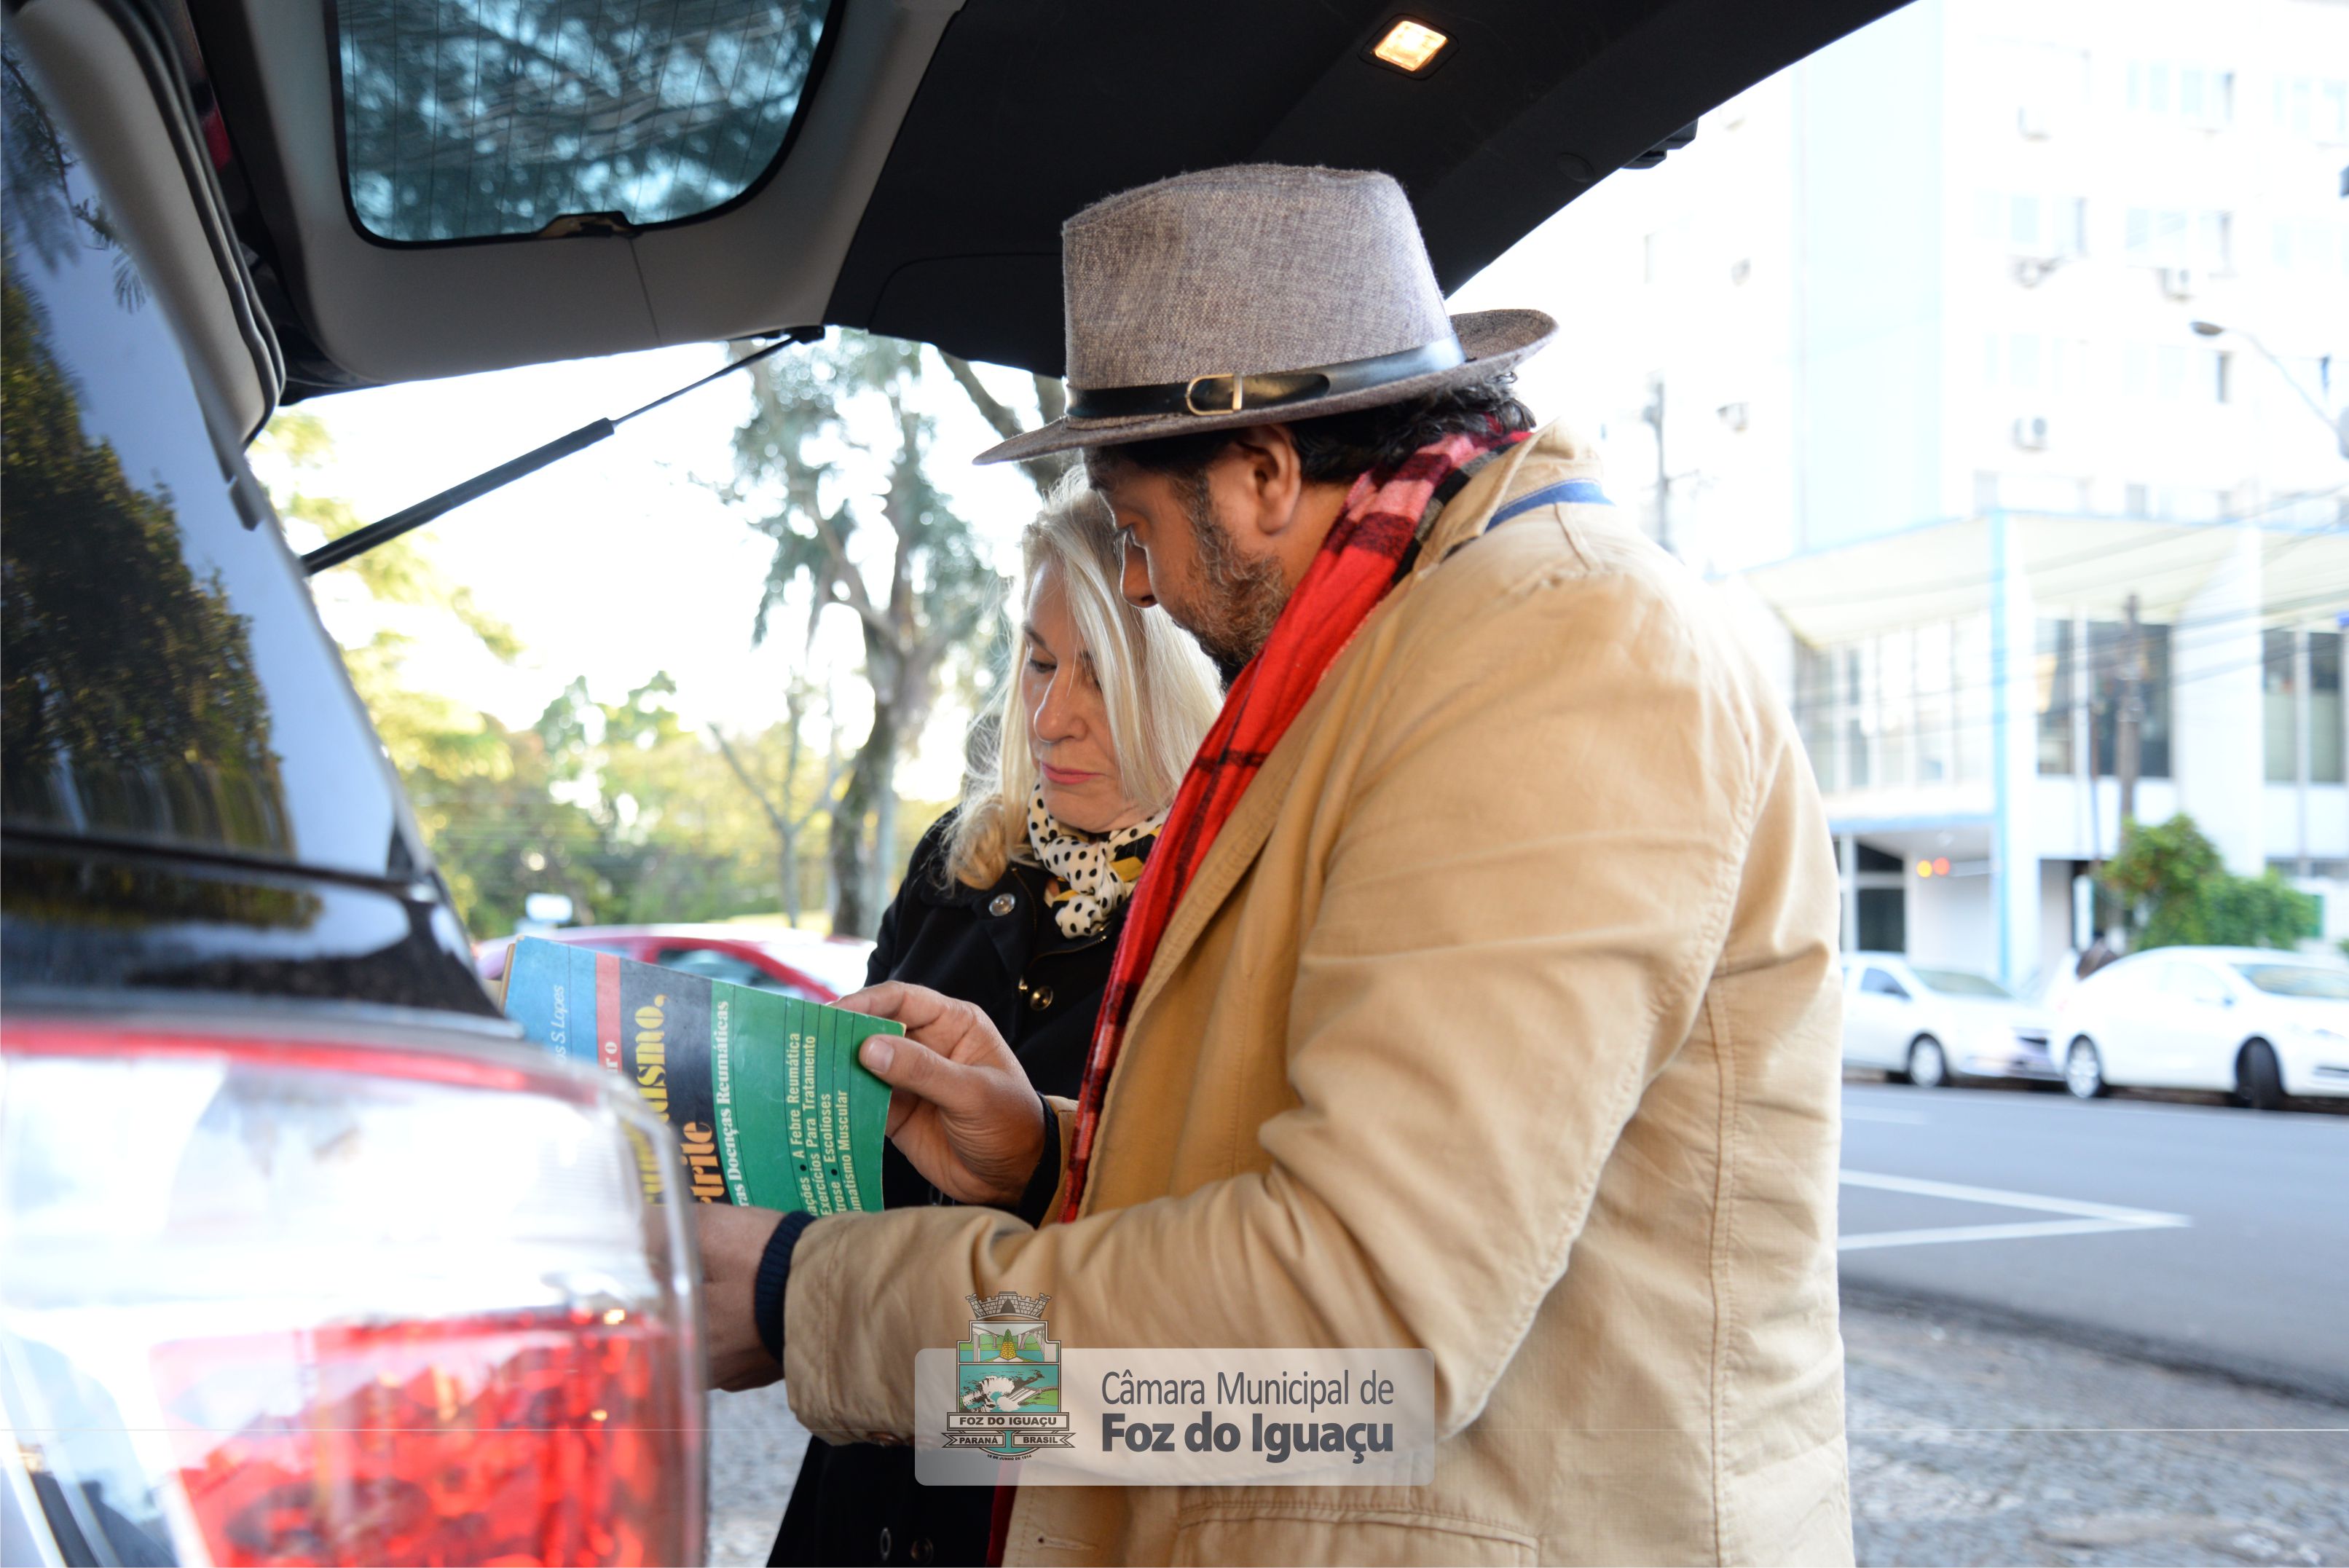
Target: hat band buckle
x=1191, y=395
x=1225, y=393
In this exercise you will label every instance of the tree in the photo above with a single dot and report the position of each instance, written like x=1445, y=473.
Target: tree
x=2172, y=875
x=674, y=838
x=621, y=806
x=791, y=809
x=921, y=599
x=420, y=729
x=1051, y=402
x=480, y=791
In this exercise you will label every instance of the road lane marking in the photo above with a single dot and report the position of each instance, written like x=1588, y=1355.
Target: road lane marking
x=2086, y=1218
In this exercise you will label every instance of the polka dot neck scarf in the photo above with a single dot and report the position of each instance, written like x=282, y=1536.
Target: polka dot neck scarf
x=1093, y=873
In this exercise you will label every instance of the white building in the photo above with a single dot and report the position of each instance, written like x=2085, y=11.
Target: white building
x=1920, y=311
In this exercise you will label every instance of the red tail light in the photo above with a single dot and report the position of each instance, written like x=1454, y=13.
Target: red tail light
x=280, y=1301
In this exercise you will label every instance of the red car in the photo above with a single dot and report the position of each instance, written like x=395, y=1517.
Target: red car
x=796, y=963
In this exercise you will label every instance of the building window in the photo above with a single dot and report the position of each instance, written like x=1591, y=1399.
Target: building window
x=2195, y=94
x=1815, y=706
x=2206, y=98
x=2107, y=641
x=1910, y=707
x=1896, y=705
x=1859, y=669
x=2031, y=224
x=2051, y=680
x=1879, y=887
x=2327, y=761
x=1936, y=759
x=2174, y=373
x=2279, y=705
x=1969, y=658
x=1883, y=920
x=2313, y=245
x=2312, y=107
x=2172, y=237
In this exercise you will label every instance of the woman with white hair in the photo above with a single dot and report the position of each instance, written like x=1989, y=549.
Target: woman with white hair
x=1013, y=902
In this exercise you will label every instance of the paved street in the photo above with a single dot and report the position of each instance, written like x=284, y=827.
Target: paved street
x=2197, y=1233
x=754, y=1456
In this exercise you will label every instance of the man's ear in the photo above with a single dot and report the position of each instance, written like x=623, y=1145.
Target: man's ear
x=1263, y=482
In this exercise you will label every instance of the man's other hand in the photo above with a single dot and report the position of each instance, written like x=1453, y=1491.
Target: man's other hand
x=962, y=1108
x=732, y=1241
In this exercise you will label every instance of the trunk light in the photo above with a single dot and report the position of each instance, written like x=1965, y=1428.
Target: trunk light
x=1411, y=46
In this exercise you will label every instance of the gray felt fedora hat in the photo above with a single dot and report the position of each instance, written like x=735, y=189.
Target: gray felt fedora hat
x=1256, y=294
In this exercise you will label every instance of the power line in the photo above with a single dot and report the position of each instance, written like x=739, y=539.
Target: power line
x=1998, y=673
x=2106, y=553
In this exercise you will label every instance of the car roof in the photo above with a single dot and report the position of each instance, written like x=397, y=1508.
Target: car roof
x=2235, y=955
x=750, y=934
x=942, y=146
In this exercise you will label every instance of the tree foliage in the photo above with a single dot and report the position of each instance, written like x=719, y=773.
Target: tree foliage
x=137, y=712
x=618, y=805
x=2173, y=877
x=911, y=569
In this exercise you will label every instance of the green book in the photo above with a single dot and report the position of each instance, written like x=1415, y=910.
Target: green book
x=764, y=1091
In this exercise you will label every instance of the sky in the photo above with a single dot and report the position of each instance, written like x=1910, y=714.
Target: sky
x=623, y=561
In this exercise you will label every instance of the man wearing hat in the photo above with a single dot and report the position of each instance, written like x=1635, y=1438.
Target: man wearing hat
x=1478, y=997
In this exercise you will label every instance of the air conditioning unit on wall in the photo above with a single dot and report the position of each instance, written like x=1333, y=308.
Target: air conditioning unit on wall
x=2031, y=432
x=2178, y=282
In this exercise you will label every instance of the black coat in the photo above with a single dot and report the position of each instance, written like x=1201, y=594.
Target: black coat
x=997, y=947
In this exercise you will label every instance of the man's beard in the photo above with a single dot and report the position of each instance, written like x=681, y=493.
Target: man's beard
x=1243, y=598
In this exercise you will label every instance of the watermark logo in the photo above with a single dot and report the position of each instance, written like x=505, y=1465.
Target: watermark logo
x=1007, y=1401
x=1166, y=1416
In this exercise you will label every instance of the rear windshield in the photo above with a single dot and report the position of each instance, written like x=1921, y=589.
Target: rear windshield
x=163, y=676
x=2297, y=980
x=1958, y=982
x=479, y=119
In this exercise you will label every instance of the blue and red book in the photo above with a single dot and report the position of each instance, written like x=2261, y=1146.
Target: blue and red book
x=764, y=1091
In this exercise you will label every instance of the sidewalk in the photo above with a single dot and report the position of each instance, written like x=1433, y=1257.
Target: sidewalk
x=1968, y=1445
x=1976, y=1446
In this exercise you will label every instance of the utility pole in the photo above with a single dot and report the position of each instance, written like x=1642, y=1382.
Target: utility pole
x=2126, y=752
x=1654, y=414
x=2095, y=823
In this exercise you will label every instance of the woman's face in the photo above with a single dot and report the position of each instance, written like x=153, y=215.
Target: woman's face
x=1067, y=723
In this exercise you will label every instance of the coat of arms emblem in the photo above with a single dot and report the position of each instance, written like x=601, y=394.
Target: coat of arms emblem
x=1007, y=1380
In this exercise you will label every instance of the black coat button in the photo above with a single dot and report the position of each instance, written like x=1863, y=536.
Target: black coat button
x=1002, y=903
x=885, y=1543
x=1038, y=997
x=921, y=1551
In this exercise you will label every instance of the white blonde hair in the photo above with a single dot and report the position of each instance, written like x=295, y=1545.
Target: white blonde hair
x=1159, y=690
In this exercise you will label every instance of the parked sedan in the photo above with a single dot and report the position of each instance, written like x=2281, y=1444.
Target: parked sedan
x=1928, y=1025
x=773, y=958
x=2254, y=1023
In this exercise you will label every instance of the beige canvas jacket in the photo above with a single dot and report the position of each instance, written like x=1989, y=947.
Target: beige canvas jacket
x=1498, y=1021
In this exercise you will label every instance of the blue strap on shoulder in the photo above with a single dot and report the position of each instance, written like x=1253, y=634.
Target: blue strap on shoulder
x=1585, y=492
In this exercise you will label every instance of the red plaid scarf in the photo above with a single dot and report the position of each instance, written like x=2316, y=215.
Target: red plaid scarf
x=1356, y=565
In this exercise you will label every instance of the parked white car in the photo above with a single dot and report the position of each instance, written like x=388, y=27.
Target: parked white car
x=2251, y=1021
x=1927, y=1025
